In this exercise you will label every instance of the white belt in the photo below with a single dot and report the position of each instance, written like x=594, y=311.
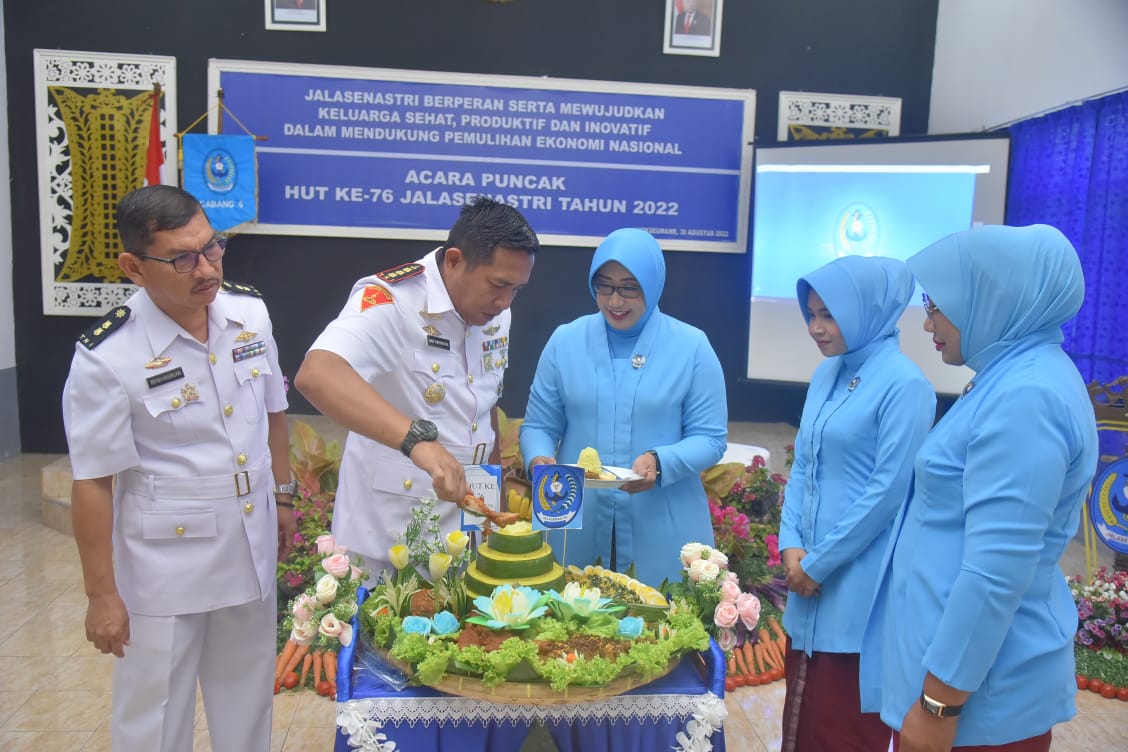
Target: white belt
x=208, y=487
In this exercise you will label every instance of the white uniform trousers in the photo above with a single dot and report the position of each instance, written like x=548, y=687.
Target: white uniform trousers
x=231, y=650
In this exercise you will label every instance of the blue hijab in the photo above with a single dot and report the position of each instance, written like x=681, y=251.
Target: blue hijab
x=639, y=252
x=1002, y=285
x=865, y=295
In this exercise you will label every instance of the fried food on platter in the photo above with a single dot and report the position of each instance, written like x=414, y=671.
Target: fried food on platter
x=477, y=506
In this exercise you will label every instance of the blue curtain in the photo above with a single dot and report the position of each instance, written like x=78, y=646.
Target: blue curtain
x=1069, y=169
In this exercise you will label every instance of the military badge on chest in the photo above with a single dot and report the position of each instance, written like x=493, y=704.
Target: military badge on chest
x=248, y=351
x=495, y=354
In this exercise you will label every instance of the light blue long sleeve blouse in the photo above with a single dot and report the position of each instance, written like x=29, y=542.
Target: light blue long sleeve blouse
x=972, y=592
x=866, y=413
x=674, y=403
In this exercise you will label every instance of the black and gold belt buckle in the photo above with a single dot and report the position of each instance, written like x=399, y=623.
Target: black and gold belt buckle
x=242, y=483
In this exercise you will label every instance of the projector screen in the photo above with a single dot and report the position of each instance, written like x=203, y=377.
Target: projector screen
x=816, y=202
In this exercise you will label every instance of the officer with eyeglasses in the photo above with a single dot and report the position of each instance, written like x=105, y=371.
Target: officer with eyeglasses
x=182, y=498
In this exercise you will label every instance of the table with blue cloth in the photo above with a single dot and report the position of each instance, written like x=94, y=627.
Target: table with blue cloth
x=677, y=711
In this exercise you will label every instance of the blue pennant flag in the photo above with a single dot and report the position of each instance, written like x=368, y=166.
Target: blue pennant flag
x=221, y=172
x=558, y=497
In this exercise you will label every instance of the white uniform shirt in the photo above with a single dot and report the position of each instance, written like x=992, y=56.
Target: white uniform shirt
x=411, y=345
x=171, y=417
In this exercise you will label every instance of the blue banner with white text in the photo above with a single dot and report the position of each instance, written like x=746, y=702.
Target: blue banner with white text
x=379, y=153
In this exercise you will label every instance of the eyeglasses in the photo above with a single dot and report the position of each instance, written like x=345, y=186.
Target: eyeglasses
x=629, y=293
x=929, y=307
x=188, y=260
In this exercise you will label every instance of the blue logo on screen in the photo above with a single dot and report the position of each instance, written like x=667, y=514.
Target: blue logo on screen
x=855, y=231
x=219, y=171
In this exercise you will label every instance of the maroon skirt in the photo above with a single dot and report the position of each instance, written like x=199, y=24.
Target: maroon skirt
x=1039, y=743
x=822, y=706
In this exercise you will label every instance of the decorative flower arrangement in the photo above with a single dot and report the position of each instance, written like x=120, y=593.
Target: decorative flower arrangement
x=318, y=621
x=1101, y=642
x=745, y=502
x=315, y=466
x=575, y=637
x=712, y=591
x=426, y=549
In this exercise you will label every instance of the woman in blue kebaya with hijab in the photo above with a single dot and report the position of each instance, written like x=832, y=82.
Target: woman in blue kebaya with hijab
x=973, y=623
x=647, y=392
x=867, y=412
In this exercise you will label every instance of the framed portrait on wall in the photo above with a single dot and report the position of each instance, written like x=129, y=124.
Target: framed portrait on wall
x=295, y=15
x=693, y=27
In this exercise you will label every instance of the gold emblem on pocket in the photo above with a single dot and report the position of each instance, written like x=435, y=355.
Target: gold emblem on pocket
x=190, y=392
x=434, y=393
x=158, y=361
x=245, y=336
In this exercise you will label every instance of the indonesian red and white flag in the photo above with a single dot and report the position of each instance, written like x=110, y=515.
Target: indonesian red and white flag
x=154, y=155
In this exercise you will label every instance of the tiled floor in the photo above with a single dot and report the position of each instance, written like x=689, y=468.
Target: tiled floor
x=55, y=691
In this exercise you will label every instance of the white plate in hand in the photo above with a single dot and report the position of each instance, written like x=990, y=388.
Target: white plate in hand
x=622, y=476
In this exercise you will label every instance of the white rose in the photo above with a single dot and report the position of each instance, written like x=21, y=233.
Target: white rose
x=330, y=626
x=346, y=634
x=703, y=570
x=691, y=552
x=326, y=589
x=697, y=569
x=303, y=634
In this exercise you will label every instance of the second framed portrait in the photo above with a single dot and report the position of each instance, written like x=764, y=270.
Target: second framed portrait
x=295, y=15
x=693, y=27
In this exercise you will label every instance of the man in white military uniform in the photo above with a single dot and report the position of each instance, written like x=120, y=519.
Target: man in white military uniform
x=174, y=410
x=413, y=367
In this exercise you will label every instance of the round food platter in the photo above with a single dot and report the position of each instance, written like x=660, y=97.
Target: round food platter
x=532, y=692
x=612, y=477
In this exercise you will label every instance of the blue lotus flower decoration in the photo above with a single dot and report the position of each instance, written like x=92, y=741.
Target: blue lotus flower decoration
x=509, y=607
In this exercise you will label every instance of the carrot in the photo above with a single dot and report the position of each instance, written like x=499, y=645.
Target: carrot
x=770, y=647
x=750, y=655
x=317, y=664
x=295, y=659
x=772, y=654
x=781, y=646
x=307, y=662
x=738, y=659
x=758, y=655
x=779, y=633
x=763, y=655
x=331, y=667
x=284, y=657
x=731, y=670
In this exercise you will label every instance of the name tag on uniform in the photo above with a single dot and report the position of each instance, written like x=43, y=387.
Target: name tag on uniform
x=439, y=342
x=164, y=378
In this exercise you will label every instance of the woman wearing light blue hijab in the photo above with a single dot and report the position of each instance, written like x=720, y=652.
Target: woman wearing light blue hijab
x=647, y=392
x=867, y=412
x=973, y=623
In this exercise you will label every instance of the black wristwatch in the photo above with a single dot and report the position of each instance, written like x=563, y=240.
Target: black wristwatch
x=420, y=430
x=937, y=708
x=657, y=464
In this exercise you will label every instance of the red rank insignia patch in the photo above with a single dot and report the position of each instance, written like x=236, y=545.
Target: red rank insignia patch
x=374, y=295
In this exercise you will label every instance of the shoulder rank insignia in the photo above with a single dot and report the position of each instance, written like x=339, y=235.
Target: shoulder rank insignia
x=241, y=289
x=400, y=273
x=98, y=331
x=374, y=295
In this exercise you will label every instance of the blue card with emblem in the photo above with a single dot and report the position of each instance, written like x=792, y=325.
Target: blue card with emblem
x=485, y=482
x=558, y=497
